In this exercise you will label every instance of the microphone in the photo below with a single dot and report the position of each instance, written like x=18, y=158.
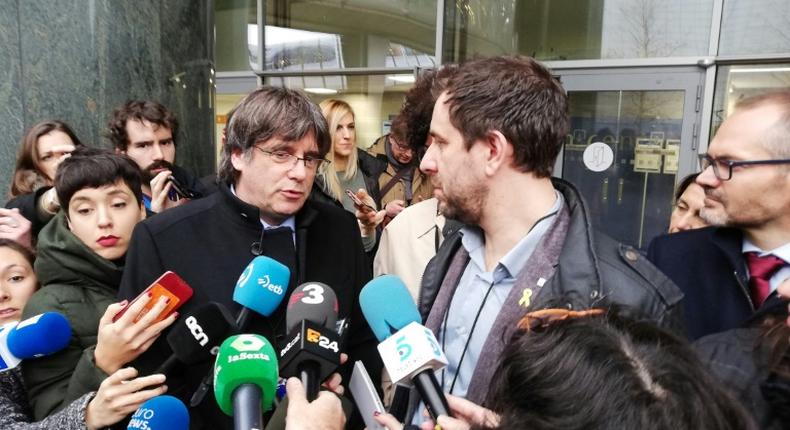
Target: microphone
x=311, y=350
x=408, y=349
x=196, y=338
x=260, y=288
x=160, y=412
x=245, y=379
x=37, y=336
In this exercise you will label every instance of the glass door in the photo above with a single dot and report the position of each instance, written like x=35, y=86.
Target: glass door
x=632, y=138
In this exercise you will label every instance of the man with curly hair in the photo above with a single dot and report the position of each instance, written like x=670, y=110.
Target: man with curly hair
x=145, y=131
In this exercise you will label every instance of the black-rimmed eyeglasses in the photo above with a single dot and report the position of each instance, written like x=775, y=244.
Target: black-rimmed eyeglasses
x=722, y=169
x=282, y=157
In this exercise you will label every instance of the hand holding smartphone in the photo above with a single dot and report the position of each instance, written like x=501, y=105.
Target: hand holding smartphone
x=169, y=285
x=365, y=396
x=180, y=190
x=362, y=205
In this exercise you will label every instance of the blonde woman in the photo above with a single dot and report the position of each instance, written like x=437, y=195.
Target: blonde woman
x=350, y=168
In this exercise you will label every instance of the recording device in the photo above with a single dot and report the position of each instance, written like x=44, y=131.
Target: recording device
x=260, y=288
x=169, y=285
x=160, y=412
x=180, y=190
x=245, y=379
x=37, y=336
x=311, y=350
x=353, y=196
x=365, y=396
x=196, y=338
x=408, y=349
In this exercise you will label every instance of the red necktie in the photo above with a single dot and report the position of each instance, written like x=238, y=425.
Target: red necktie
x=761, y=269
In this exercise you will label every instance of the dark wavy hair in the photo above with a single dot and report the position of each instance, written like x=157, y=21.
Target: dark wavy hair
x=413, y=123
x=604, y=372
x=138, y=110
x=516, y=96
x=266, y=113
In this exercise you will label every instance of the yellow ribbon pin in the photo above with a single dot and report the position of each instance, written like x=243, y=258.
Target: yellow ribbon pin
x=525, y=298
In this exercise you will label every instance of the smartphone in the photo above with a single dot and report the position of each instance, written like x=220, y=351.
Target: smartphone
x=357, y=201
x=365, y=396
x=169, y=285
x=179, y=190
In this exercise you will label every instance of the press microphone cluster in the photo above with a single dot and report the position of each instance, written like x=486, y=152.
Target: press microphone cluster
x=36, y=336
x=160, y=412
x=260, y=289
x=409, y=350
x=311, y=351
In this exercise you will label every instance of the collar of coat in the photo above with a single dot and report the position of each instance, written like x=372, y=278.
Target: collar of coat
x=577, y=262
x=251, y=215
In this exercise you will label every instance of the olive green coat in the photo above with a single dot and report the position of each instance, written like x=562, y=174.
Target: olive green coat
x=79, y=284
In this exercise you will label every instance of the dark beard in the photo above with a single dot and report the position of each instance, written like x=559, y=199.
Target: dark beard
x=465, y=207
x=148, y=172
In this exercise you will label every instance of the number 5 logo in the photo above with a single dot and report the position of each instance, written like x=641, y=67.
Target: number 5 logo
x=404, y=349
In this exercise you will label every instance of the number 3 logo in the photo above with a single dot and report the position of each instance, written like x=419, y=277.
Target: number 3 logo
x=314, y=294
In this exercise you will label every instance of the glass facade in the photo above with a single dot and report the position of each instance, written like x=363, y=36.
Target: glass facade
x=577, y=29
x=755, y=27
x=736, y=82
x=237, y=30
x=622, y=154
x=649, y=81
x=315, y=35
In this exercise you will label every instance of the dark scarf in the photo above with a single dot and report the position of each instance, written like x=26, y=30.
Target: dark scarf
x=541, y=264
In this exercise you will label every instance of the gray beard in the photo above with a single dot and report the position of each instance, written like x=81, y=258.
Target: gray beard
x=711, y=217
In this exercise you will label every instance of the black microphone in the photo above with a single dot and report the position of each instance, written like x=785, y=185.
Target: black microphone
x=311, y=350
x=196, y=338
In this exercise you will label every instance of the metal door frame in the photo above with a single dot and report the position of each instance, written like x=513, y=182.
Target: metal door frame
x=691, y=80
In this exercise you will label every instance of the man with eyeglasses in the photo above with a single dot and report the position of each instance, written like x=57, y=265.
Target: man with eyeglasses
x=275, y=141
x=401, y=183
x=731, y=269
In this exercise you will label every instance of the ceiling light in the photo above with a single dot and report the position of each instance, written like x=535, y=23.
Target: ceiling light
x=761, y=70
x=320, y=90
x=404, y=79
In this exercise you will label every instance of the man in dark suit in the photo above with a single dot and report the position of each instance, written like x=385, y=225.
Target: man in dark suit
x=728, y=270
x=276, y=140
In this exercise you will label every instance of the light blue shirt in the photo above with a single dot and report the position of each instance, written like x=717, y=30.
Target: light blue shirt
x=470, y=296
x=782, y=252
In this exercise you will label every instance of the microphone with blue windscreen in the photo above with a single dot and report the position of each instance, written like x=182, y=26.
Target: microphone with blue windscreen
x=260, y=288
x=408, y=349
x=160, y=413
x=386, y=308
x=36, y=336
